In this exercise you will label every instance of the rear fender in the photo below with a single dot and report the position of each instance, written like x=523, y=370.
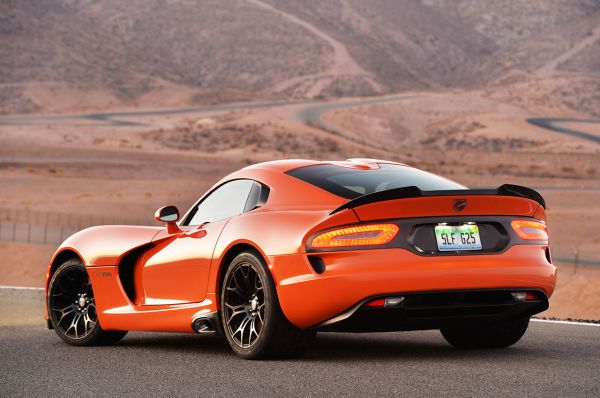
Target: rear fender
x=106, y=245
x=102, y=246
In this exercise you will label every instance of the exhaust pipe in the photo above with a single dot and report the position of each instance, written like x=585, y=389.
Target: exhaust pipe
x=204, y=325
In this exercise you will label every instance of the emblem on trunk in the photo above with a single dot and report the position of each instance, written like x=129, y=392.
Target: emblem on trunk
x=460, y=204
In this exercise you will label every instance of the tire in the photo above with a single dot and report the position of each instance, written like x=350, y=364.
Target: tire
x=494, y=335
x=252, y=319
x=72, y=308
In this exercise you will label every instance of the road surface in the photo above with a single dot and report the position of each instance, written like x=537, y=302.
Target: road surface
x=553, y=124
x=308, y=112
x=552, y=360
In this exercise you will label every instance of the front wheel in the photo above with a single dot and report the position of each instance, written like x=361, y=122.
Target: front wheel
x=494, y=335
x=72, y=307
x=252, y=319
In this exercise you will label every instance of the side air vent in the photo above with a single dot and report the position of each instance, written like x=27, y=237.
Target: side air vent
x=317, y=264
x=126, y=267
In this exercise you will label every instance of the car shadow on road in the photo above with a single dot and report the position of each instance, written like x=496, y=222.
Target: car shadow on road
x=394, y=346
x=335, y=347
x=176, y=342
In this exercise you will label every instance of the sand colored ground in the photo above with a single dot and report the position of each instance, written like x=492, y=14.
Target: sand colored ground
x=24, y=264
x=577, y=293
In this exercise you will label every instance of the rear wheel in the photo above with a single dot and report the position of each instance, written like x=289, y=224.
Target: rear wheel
x=494, y=335
x=72, y=307
x=253, y=321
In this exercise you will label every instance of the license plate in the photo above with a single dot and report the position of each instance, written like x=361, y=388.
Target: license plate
x=457, y=237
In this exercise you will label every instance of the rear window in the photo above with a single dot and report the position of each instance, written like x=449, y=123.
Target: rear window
x=351, y=183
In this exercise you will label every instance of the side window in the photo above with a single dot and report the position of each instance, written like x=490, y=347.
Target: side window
x=258, y=196
x=226, y=201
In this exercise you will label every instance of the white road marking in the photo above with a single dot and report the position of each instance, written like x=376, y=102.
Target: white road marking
x=565, y=322
x=21, y=287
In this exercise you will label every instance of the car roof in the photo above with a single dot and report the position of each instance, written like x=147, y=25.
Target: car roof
x=283, y=166
x=273, y=174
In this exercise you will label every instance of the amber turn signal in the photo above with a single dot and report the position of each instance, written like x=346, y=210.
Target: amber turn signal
x=530, y=230
x=359, y=235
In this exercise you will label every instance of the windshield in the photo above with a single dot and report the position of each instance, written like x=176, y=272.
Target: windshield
x=351, y=183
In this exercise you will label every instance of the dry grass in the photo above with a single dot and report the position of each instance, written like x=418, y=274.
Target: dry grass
x=251, y=139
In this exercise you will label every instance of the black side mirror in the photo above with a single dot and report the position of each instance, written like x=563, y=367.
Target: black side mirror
x=169, y=215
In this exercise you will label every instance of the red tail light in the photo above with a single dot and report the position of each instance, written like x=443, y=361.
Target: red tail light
x=359, y=235
x=530, y=230
x=525, y=296
x=531, y=296
x=386, y=302
x=375, y=303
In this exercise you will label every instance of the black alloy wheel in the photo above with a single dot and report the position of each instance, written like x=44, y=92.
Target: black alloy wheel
x=72, y=307
x=244, y=301
x=252, y=319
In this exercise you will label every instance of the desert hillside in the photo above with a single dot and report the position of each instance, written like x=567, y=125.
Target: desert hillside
x=63, y=55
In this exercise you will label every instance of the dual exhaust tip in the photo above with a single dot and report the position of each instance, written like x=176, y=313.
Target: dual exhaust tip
x=204, y=325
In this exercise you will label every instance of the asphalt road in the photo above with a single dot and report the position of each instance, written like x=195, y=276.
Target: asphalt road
x=117, y=118
x=553, y=124
x=551, y=360
x=310, y=113
x=307, y=111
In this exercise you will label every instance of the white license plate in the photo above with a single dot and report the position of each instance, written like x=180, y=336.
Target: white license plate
x=457, y=237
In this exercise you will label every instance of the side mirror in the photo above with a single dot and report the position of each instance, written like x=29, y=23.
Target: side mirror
x=169, y=215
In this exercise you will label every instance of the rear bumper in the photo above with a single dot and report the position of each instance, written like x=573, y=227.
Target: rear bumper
x=308, y=298
x=437, y=310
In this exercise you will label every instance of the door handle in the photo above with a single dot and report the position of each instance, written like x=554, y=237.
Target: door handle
x=199, y=233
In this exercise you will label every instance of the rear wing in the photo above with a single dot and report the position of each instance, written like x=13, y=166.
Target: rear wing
x=415, y=192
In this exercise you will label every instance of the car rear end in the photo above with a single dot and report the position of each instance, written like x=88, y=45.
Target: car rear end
x=427, y=255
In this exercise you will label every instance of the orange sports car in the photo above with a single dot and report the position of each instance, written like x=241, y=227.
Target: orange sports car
x=277, y=251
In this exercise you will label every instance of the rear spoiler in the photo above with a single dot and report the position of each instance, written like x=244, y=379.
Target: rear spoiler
x=415, y=192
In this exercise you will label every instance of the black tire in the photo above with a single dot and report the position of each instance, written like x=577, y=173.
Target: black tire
x=248, y=295
x=72, y=308
x=494, y=335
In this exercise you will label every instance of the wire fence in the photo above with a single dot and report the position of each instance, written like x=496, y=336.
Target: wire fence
x=31, y=226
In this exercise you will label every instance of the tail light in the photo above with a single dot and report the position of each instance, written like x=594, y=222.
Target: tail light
x=385, y=302
x=525, y=296
x=530, y=230
x=359, y=235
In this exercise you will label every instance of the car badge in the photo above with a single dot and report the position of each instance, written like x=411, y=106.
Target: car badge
x=460, y=204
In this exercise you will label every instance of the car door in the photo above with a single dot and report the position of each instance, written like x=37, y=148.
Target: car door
x=176, y=270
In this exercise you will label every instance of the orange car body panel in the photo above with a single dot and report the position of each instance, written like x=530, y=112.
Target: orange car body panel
x=308, y=298
x=177, y=276
x=106, y=246
x=176, y=269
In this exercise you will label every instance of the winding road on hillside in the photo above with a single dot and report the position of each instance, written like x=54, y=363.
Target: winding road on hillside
x=117, y=118
x=304, y=111
x=553, y=359
x=553, y=124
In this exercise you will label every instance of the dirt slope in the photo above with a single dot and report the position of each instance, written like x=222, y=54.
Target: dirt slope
x=63, y=56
